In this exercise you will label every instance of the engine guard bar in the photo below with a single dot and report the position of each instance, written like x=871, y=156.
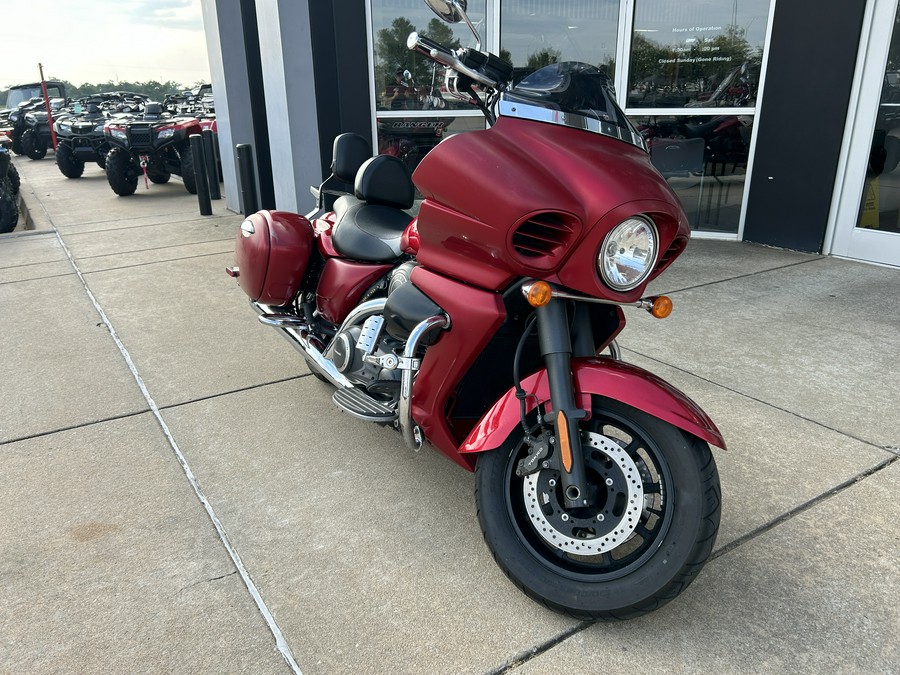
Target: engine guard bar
x=412, y=434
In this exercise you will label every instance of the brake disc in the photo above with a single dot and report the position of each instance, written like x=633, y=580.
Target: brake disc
x=590, y=530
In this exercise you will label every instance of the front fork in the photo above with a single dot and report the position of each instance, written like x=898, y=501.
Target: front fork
x=556, y=350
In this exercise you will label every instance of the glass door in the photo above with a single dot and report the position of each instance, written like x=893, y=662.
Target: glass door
x=865, y=225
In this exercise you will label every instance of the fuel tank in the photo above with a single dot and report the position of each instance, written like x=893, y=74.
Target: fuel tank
x=525, y=198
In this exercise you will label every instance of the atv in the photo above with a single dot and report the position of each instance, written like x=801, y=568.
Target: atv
x=155, y=144
x=27, y=116
x=9, y=190
x=80, y=136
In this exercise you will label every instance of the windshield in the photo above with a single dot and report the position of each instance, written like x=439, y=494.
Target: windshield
x=572, y=94
x=19, y=94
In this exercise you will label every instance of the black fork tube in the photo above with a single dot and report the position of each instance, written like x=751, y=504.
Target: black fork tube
x=556, y=349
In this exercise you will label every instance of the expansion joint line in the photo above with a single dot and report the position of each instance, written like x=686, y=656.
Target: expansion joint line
x=280, y=642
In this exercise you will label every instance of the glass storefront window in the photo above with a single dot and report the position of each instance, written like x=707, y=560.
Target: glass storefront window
x=696, y=53
x=704, y=159
x=407, y=80
x=687, y=59
x=410, y=138
x=536, y=33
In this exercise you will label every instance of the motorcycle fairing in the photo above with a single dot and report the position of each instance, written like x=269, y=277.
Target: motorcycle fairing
x=552, y=191
x=602, y=377
x=475, y=316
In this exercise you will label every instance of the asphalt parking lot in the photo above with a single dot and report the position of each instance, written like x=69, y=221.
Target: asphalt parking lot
x=180, y=495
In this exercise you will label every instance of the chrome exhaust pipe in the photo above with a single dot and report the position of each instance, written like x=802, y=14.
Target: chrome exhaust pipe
x=295, y=330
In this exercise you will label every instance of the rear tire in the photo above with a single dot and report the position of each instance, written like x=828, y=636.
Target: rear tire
x=641, y=542
x=121, y=172
x=187, y=169
x=33, y=145
x=159, y=177
x=68, y=163
x=9, y=209
x=12, y=175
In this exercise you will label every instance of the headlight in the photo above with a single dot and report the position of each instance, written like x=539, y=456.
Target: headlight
x=628, y=254
x=65, y=127
x=30, y=118
x=14, y=116
x=99, y=127
x=118, y=134
x=166, y=133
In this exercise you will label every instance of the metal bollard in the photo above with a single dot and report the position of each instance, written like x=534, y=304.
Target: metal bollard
x=200, y=174
x=246, y=178
x=212, y=171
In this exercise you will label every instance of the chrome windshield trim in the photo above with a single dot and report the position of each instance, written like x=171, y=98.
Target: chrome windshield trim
x=507, y=108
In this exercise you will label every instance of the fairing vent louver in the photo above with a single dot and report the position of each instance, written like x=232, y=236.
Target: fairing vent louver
x=542, y=239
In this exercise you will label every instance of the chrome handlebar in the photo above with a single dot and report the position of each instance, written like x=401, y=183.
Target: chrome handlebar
x=445, y=57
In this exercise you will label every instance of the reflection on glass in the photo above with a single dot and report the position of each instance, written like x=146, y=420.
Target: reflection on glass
x=536, y=33
x=407, y=80
x=696, y=53
x=704, y=160
x=410, y=138
x=879, y=208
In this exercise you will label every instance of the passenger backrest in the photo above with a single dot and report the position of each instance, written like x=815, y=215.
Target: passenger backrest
x=348, y=154
x=384, y=180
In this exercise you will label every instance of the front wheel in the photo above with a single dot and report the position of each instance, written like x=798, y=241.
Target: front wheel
x=33, y=144
x=651, y=525
x=121, y=172
x=68, y=163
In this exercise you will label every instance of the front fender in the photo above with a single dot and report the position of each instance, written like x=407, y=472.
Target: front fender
x=603, y=377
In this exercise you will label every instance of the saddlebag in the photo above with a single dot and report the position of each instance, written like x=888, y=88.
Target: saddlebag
x=271, y=255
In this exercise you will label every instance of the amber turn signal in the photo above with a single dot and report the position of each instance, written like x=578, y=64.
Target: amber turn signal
x=662, y=307
x=539, y=294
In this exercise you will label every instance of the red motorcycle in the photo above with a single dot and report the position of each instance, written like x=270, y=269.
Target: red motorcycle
x=476, y=328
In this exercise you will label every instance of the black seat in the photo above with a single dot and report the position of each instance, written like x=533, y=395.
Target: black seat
x=368, y=225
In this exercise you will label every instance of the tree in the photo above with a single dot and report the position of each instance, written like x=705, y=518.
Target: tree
x=542, y=58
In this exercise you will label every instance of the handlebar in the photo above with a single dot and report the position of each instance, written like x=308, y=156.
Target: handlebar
x=445, y=57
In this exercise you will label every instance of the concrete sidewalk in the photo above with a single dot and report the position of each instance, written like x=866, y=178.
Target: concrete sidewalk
x=178, y=492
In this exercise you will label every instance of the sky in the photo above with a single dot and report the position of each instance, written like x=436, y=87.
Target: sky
x=93, y=41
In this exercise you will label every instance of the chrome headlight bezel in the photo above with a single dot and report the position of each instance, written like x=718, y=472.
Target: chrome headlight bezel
x=620, y=250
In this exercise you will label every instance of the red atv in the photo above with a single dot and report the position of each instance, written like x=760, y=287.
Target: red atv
x=155, y=144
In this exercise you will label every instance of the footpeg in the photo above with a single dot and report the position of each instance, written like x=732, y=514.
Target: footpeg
x=359, y=404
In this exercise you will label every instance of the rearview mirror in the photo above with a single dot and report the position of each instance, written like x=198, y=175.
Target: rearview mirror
x=451, y=11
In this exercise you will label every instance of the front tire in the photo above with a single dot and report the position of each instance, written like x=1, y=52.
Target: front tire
x=33, y=145
x=651, y=527
x=68, y=163
x=121, y=172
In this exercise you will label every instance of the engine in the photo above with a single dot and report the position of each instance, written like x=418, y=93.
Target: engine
x=369, y=354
